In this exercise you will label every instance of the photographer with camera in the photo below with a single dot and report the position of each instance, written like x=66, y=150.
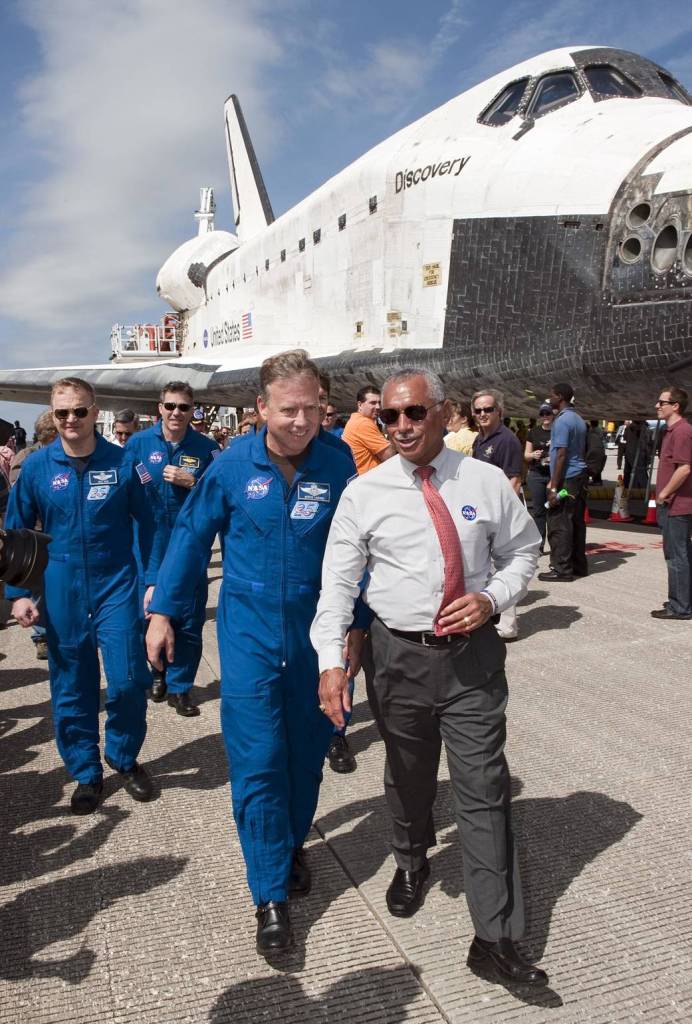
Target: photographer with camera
x=85, y=491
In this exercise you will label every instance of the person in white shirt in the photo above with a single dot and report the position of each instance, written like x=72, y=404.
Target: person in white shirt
x=426, y=525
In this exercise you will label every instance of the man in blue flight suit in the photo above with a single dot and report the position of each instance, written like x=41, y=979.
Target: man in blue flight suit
x=176, y=457
x=271, y=499
x=86, y=491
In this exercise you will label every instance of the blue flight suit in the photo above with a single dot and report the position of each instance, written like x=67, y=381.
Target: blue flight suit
x=91, y=597
x=193, y=454
x=273, y=537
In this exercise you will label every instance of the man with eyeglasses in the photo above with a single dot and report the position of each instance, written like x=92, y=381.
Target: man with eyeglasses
x=499, y=446
x=426, y=526
x=125, y=424
x=674, y=503
x=86, y=492
x=176, y=457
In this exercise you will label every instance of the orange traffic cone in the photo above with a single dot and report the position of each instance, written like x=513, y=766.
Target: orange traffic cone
x=650, y=518
x=618, y=511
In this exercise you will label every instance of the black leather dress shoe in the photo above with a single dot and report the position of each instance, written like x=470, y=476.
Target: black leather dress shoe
x=183, y=705
x=86, y=796
x=137, y=781
x=158, y=688
x=405, y=894
x=554, y=577
x=274, y=933
x=300, y=879
x=340, y=757
x=667, y=613
x=502, y=959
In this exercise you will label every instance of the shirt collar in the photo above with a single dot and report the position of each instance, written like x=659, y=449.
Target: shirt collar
x=260, y=456
x=438, y=463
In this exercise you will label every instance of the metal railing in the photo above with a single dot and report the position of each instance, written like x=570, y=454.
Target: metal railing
x=145, y=340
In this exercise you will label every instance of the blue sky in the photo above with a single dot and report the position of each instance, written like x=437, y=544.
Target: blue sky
x=111, y=119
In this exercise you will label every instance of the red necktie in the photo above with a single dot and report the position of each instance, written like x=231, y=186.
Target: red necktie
x=449, y=541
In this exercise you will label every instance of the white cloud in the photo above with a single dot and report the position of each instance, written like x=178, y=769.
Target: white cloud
x=125, y=118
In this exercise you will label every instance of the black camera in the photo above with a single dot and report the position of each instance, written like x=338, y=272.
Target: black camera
x=23, y=557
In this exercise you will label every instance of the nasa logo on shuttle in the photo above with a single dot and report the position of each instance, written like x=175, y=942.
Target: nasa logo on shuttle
x=60, y=482
x=468, y=512
x=257, y=487
x=205, y=338
x=156, y=457
x=407, y=179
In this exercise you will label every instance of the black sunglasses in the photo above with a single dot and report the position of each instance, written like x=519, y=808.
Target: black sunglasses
x=172, y=406
x=80, y=412
x=486, y=408
x=416, y=413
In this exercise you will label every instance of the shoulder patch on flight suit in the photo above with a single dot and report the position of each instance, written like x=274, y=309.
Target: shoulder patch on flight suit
x=188, y=462
x=155, y=457
x=103, y=476
x=143, y=473
x=60, y=481
x=257, y=487
x=314, y=492
x=98, y=493
x=305, y=510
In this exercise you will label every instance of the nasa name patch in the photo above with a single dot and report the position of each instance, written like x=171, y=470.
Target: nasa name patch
x=98, y=493
x=60, y=481
x=155, y=458
x=257, y=487
x=468, y=512
x=305, y=510
x=309, y=491
x=99, y=477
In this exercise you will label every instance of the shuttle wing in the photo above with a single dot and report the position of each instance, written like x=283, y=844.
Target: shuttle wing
x=253, y=211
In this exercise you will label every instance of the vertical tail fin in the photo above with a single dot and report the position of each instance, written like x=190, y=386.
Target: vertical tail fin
x=253, y=211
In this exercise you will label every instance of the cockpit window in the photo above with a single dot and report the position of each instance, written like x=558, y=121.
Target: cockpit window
x=672, y=88
x=608, y=81
x=552, y=91
x=506, y=105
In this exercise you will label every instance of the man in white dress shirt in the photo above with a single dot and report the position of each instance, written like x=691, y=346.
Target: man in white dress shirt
x=425, y=525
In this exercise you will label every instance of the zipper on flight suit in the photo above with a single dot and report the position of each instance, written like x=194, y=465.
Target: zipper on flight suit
x=80, y=505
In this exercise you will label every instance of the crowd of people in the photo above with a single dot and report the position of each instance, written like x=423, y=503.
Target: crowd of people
x=401, y=544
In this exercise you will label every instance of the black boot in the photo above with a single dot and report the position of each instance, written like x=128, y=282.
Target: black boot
x=183, y=705
x=504, y=961
x=158, y=686
x=86, y=796
x=137, y=781
x=274, y=933
x=340, y=757
x=300, y=879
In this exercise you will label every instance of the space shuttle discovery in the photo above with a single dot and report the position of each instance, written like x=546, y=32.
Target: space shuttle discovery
x=538, y=227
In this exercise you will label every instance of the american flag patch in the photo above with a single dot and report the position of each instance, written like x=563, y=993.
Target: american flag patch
x=246, y=325
x=143, y=473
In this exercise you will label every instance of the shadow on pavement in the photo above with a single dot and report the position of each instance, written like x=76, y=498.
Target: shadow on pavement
x=30, y=797
x=18, y=678
x=603, y=559
x=557, y=838
x=199, y=764
x=548, y=616
x=378, y=995
x=62, y=909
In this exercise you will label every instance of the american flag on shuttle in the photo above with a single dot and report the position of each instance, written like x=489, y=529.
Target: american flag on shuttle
x=246, y=325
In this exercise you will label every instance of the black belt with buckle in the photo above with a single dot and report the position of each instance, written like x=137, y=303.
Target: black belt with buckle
x=428, y=639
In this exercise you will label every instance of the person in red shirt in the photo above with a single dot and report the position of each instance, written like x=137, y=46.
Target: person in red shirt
x=674, y=503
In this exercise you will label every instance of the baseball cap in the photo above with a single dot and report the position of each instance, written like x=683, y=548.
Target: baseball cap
x=545, y=410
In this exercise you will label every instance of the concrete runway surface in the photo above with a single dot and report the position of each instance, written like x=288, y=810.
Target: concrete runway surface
x=140, y=912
